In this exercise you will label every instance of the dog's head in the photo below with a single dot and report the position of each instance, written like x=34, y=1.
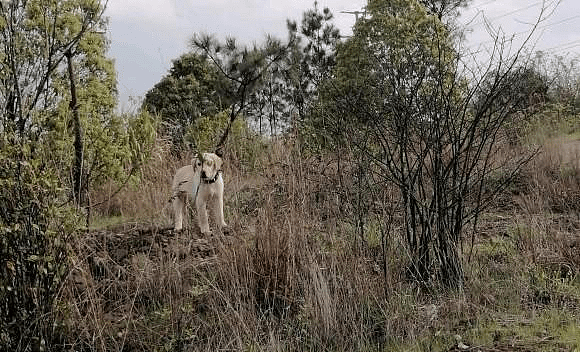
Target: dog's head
x=208, y=165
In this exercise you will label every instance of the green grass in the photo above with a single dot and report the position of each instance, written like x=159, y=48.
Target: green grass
x=541, y=330
x=103, y=222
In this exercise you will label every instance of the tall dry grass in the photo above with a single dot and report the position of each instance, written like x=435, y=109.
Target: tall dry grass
x=144, y=200
x=295, y=274
x=555, y=178
x=285, y=279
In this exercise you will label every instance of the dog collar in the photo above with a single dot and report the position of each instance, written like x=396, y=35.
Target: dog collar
x=212, y=180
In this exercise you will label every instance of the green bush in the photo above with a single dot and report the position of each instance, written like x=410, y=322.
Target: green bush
x=34, y=230
x=243, y=143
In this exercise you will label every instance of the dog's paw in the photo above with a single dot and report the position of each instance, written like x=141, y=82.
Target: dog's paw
x=226, y=230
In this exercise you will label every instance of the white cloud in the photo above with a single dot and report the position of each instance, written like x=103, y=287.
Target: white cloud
x=159, y=11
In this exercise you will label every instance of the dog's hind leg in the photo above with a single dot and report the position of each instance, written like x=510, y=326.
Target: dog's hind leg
x=178, y=211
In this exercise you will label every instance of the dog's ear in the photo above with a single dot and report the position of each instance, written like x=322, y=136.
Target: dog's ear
x=219, y=162
x=196, y=161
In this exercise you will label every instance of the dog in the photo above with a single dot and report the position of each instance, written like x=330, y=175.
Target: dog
x=202, y=181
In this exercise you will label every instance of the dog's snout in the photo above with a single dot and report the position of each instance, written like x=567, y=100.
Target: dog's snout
x=203, y=175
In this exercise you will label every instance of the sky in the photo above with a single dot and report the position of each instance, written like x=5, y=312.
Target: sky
x=146, y=35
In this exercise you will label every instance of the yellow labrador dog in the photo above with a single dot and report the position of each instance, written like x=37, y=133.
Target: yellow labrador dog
x=203, y=181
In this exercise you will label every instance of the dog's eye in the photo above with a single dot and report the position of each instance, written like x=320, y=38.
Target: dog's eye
x=199, y=163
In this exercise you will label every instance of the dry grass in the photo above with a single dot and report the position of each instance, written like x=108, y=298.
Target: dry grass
x=294, y=275
x=553, y=179
x=147, y=201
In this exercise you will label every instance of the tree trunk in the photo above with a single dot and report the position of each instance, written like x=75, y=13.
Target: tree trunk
x=78, y=189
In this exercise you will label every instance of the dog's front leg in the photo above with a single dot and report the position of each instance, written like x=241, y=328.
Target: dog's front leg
x=202, y=216
x=218, y=207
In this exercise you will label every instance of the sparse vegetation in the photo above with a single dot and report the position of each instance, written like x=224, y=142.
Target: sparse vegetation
x=295, y=275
